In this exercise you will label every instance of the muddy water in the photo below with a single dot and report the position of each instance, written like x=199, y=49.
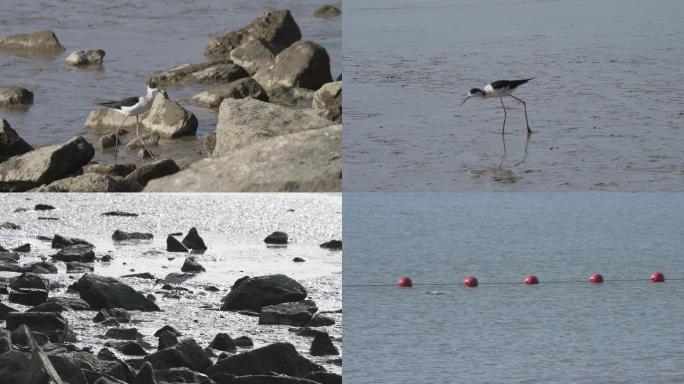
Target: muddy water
x=606, y=104
x=233, y=227
x=139, y=38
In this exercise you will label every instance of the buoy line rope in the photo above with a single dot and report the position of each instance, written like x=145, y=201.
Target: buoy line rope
x=507, y=283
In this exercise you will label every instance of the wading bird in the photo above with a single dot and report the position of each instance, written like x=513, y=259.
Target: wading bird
x=174, y=278
x=132, y=106
x=501, y=89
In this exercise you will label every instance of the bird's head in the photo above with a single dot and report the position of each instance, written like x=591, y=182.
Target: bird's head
x=474, y=92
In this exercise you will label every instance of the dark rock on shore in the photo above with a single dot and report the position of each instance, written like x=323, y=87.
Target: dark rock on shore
x=38, y=42
x=73, y=303
x=276, y=238
x=167, y=339
x=24, y=248
x=223, y=342
x=257, y=292
x=335, y=245
x=43, y=207
x=221, y=71
x=297, y=313
x=193, y=241
x=322, y=345
x=124, y=236
x=81, y=253
x=145, y=375
x=29, y=280
x=148, y=171
x=119, y=314
x=319, y=320
x=173, y=245
x=327, y=11
x=281, y=358
x=253, y=55
x=11, y=144
x=59, y=241
x=50, y=323
x=4, y=311
x=89, y=57
x=28, y=296
x=123, y=334
x=186, y=353
x=303, y=64
x=119, y=213
x=90, y=182
x=239, y=89
x=44, y=165
x=243, y=341
x=328, y=101
x=167, y=328
x=106, y=292
x=191, y=265
x=276, y=29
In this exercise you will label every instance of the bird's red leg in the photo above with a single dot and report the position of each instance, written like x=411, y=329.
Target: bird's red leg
x=504, y=109
x=116, y=142
x=529, y=131
x=140, y=138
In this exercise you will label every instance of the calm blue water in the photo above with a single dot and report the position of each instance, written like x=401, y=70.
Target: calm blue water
x=618, y=332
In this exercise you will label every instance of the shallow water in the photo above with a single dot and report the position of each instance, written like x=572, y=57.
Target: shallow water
x=606, y=104
x=139, y=38
x=501, y=332
x=233, y=227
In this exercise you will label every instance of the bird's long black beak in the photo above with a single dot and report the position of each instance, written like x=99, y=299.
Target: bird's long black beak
x=464, y=100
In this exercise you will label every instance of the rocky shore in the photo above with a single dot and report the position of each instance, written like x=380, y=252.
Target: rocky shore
x=279, y=115
x=66, y=319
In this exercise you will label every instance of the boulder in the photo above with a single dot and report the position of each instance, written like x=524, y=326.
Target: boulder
x=257, y=292
x=167, y=328
x=41, y=267
x=327, y=11
x=106, y=292
x=276, y=237
x=191, y=265
x=29, y=280
x=123, y=334
x=106, y=354
x=120, y=170
x=91, y=182
x=239, y=89
x=296, y=97
x=322, y=345
x=11, y=266
x=37, y=42
x=44, y=165
x=253, y=55
x=328, y=101
x=105, y=121
x=76, y=267
x=24, y=248
x=5, y=341
x=125, y=236
x=4, y=311
x=303, y=64
x=43, y=207
x=81, y=253
x=154, y=170
x=187, y=354
x=193, y=241
x=11, y=144
x=334, y=245
x=276, y=29
x=281, y=358
x=67, y=367
x=59, y=241
x=50, y=323
x=181, y=375
x=319, y=320
x=13, y=367
x=119, y=214
x=28, y=296
x=15, y=97
x=223, y=342
x=220, y=71
x=145, y=375
x=297, y=313
x=41, y=369
x=173, y=245
x=167, y=340
x=22, y=335
x=89, y=57
x=167, y=118
x=243, y=341
x=243, y=122
x=73, y=303
x=121, y=315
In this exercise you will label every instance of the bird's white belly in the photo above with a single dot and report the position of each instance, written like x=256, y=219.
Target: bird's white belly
x=137, y=109
x=493, y=92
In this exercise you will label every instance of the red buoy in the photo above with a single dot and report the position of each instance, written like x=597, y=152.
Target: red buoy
x=531, y=279
x=657, y=277
x=470, y=281
x=404, y=282
x=596, y=278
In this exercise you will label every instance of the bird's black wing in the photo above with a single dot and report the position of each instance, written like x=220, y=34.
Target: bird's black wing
x=127, y=102
x=509, y=84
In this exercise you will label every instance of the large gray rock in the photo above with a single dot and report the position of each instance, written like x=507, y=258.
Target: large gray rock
x=253, y=55
x=91, y=182
x=39, y=42
x=281, y=358
x=53, y=324
x=221, y=71
x=29, y=280
x=327, y=11
x=322, y=345
x=59, y=241
x=149, y=171
x=297, y=97
x=89, y=57
x=328, y=101
x=15, y=97
x=44, y=165
x=105, y=121
x=28, y=296
x=239, y=89
x=298, y=313
x=276, y=29
x=187, y=354
x=261, y=291
x=13, y=366
x=308, y=161
x=41, y=369
x=169, y=119
x=106, y=292
x=243, y=122
x=81, y=253
x=303, y=64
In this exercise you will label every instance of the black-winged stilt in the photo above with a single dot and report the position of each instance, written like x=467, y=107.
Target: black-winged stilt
x=501, y=89
x=132, y=106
